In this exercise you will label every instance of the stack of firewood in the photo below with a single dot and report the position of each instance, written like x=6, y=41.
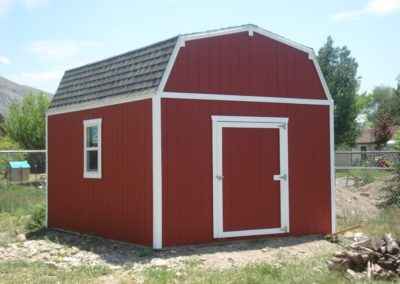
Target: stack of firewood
x=371, y=258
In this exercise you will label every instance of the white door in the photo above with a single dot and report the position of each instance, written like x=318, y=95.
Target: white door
x=250, y=168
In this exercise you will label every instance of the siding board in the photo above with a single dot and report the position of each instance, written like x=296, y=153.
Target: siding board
x=247, y=66
x=118, y=206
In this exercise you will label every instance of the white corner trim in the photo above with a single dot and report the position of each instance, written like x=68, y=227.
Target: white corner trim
x=218, y=123
x=179, y=43
x=227, y=97
x=333, y=173
x=109, y=101
x=90, y=123
x=249, y=29
x=157, y=173
x=47, y=171
x=313, y=58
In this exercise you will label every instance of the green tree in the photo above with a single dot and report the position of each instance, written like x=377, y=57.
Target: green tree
x=25, y=121
x=340, y=72
x=384, y=100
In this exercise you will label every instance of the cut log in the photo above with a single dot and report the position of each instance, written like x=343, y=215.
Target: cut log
x=369, y=258
x=392, y=246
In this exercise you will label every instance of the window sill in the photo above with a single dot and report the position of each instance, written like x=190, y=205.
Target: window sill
x=92, y=175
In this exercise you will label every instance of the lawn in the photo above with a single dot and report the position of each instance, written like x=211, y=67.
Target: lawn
x=17, y=210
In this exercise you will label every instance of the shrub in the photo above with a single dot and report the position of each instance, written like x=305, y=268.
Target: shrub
x=391, y=190
x=38, y=218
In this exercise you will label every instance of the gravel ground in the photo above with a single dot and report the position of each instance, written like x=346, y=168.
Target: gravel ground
x=66, y=250
x=357, y=201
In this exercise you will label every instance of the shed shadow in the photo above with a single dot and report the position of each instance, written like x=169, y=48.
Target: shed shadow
x=126, y=254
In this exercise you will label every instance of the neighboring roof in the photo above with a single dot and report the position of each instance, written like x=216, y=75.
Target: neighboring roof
x=128, y=73
x=367, y=135
x=19, y=164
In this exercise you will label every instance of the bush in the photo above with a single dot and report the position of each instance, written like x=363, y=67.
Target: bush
x=391, y=190
x=38, y=218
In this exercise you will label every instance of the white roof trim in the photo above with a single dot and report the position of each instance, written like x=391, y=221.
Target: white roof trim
x=251, y=29
x=108, y=101
x=238, y=98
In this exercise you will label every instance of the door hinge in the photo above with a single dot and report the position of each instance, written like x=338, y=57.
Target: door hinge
x=285, y=228
x=219, y=177
x=283, y=126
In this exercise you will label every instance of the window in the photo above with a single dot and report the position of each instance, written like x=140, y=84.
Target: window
x=92, y=148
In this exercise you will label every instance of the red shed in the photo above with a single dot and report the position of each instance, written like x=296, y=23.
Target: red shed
x=201, y=137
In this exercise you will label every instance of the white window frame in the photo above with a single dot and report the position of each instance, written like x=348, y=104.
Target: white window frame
x=87, y=124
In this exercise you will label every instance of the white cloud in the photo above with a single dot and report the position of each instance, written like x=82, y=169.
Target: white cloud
x=374, y=7
x=61, y=49
x=5, y=5
x=4, y=60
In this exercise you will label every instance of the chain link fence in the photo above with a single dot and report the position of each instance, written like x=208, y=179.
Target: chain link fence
x=23, y=168
x=377, y=160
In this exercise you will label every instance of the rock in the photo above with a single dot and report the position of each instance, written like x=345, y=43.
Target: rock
x=159, y=262
x=21, y=237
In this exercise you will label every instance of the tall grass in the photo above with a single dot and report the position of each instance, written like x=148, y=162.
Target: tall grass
x=19, y=200
x=21, y=210
x=388, y=221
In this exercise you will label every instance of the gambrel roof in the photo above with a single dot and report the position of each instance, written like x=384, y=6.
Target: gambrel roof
x=144, y=71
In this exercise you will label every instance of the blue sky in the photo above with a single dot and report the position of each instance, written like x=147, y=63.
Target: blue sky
x=39, y=39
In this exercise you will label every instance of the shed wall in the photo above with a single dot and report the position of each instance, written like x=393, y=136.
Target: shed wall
x=187, y=166
x=119, y=205
x=239, y=64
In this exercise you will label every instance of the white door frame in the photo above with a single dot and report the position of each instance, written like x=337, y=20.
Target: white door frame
x=218, y=123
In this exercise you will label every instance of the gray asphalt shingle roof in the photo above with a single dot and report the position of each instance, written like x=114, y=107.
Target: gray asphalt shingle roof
x=128, y=73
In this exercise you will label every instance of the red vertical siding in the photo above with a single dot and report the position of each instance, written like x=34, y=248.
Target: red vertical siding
x=238, y=64
x=251, y=198
x=119, y=205
x=187, y=166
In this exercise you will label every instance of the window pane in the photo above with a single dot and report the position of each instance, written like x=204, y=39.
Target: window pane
x=91, y=136
x=92, y=160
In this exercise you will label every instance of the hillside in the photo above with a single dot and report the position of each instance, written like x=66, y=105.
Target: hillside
x=10, y=91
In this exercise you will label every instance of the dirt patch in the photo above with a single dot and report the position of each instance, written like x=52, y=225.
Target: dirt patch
x=361, y=202
x=66, y=250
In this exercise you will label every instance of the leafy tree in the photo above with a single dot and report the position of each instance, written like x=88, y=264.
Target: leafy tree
x=6, y=143
x=383, y=130
x=340, y=71
x=25, y=121
x=384, y=100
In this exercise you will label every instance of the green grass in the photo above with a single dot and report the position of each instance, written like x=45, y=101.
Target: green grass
x=310, y=271
x=375, y=174
x=388, y=221
x=37, y=272
x=17, y=206
x=19, y=200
